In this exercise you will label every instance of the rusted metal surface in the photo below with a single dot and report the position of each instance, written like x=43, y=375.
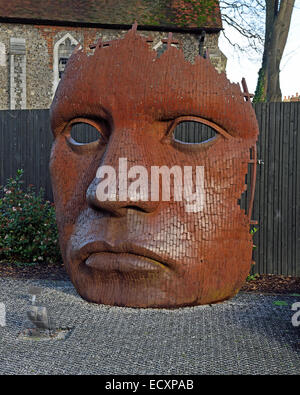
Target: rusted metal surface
x=151, y=253
x=169, y=41
x=253, y=181
x=253, y=160
x=247, y=95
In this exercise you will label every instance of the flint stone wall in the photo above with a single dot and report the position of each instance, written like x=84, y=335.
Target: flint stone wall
x=27, y=79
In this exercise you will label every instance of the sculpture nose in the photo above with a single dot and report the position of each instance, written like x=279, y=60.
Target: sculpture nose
x=106, y=195
x=122, y=180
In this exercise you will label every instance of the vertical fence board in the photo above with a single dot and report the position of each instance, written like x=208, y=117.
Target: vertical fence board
x=285, y=191
x=297, y=180
x=263, y=221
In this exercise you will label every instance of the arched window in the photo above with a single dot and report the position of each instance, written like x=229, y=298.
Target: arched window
x=63, y=49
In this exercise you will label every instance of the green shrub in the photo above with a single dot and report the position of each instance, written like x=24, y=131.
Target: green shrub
x=28, y=232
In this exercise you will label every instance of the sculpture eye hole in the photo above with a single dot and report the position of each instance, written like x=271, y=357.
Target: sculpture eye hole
x=190, y=132
x=85, y=133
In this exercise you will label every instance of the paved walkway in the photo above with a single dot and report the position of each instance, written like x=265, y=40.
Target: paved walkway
x=250, y=334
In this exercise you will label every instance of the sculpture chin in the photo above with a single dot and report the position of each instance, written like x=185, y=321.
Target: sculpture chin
x=122, y=279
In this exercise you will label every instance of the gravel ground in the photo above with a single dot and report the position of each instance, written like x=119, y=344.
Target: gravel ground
x=249, y=334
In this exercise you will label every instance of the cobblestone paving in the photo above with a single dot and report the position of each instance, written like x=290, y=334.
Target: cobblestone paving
x=250, y=334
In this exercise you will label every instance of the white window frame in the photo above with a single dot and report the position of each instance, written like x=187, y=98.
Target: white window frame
x=55, y=58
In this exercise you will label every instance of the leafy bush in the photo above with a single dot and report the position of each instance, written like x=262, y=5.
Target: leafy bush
x=28, y=232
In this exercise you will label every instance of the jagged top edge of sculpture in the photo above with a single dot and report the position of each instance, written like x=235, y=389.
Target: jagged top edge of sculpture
x=99, y=45
x=218, y=83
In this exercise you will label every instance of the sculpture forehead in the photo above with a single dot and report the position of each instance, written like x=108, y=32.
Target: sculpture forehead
x=128, y=78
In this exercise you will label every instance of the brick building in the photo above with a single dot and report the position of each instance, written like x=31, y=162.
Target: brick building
x=292, y=98
x=37, y=38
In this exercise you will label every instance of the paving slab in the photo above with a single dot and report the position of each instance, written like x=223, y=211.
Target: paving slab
x=249, y=334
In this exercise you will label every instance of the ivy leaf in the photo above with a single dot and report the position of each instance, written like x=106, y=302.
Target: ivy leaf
x=280, y=303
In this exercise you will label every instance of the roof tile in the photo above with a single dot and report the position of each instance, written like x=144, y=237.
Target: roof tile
x=162, y=13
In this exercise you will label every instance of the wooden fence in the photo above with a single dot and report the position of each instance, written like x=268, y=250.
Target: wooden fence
x=25, y=142
x=277, y=196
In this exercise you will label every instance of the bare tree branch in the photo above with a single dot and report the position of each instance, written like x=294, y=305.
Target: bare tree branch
x=247, y=18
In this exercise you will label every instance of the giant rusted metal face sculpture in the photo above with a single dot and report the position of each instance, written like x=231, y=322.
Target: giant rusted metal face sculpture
x=150, y=252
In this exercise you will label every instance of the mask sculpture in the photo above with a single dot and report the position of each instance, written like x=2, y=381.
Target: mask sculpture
x=150, y=252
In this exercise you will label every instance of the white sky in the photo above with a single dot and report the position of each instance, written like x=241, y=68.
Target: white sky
x=239, y=65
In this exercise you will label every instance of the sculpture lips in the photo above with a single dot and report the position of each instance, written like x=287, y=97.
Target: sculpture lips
x=122, y=262
x=123, y=257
